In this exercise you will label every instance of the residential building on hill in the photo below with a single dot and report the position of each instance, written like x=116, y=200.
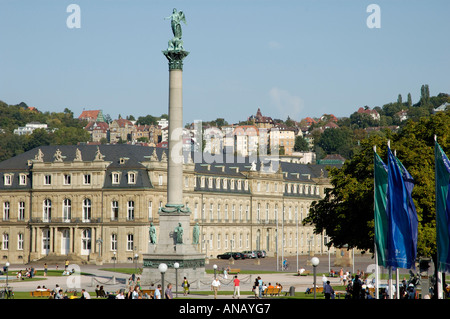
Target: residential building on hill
x=92, y=116
x=97, y=202
x=29, y=128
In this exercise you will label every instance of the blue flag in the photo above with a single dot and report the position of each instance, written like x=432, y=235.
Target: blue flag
x=380, y=216
x=442, y=177
x=402, y=216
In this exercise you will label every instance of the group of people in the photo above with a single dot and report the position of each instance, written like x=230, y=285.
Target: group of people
x=59, y=293
x=259, y=287
x=27, y=273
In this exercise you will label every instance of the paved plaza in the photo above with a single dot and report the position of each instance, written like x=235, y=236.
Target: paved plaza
x=94, y=275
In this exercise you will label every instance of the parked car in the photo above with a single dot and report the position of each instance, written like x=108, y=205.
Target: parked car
x=249, y=254
x=229, y=254
x=261, y=253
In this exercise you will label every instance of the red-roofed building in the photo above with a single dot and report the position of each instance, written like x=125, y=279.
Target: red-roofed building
x=98, y=130
x=121, y=129
x=373, y=113
x=92, y=116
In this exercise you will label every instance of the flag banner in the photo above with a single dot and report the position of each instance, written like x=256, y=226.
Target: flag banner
x=442, y=180
x=402, y=216
x=380, y=217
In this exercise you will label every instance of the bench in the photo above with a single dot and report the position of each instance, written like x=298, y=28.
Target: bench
x=271, y=291
x=234, y=271
x=40, y=293
x=149, y=292
x=311, y=290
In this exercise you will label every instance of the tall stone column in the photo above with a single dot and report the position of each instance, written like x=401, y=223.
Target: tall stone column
x=175, y=158
x=174, y=243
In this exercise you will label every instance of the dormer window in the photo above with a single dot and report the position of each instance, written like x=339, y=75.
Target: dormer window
x=115, y=178
x=22, y=179
x=202, y=181
x=7, y=179
x=131, y=178
x=218, y=182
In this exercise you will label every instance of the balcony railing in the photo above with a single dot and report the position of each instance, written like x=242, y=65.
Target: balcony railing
x=61, y=220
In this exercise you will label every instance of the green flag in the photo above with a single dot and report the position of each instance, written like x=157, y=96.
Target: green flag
x=442, y=208
x=380, y=217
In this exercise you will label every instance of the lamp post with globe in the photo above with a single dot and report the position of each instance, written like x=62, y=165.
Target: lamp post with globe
x=315, y=263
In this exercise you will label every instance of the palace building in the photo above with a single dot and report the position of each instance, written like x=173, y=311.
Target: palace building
x=96, y=203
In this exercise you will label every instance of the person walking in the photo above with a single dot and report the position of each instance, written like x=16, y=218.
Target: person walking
x=185, y=286
x=215, y=285
x=157, y=294
x=168, y=292
x=260, y=286
x=328, y=290
x=236, y=283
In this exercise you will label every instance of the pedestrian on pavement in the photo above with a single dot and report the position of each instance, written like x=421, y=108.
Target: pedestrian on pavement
x=357, y=286
x=215, y=285
x=185, y=286
x=328, y=290
x=157, y=292
x=168, y=292
x=236, y=283
x=260, y=286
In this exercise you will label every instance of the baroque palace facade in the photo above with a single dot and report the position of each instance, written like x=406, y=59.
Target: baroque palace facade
x=97, y=202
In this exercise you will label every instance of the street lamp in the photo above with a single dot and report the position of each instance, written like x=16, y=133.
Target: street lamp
x=114, y=260
x=315, y=263
x=162, y=269
x=176, y=266
x=215, y=269
x=136, y=257
x=6, y=269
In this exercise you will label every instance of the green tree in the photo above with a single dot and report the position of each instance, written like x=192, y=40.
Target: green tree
x=301, y=145
x=337, y=141
x=346, y=211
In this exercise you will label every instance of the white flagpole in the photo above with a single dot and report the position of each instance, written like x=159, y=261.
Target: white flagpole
x=439, y=273
x=377, y=278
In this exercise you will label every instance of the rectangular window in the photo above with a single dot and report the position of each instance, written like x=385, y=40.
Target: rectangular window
x=23, y=179
x=131, y=178
x=20, y=241
x=21, y=213
x=114, y=210
x=130, y=209
x=47, y=179
x=114, y=242
x=115, y=178
x=8, y=179
x=150, y=210
x=6, y=210
x=67, y=179
x=87, y=179
x=130, y=244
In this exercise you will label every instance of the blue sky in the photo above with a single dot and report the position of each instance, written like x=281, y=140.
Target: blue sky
x=289, y=58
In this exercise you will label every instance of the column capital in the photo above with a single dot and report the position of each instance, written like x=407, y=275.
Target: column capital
x=175, y=58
